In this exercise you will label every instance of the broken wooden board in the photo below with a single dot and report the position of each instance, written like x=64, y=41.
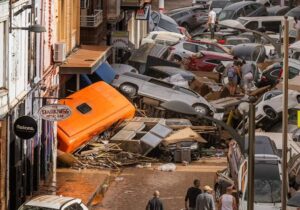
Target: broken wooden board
x=225, y=103
x=210, y=75
x=183, y=135
x=259, y=91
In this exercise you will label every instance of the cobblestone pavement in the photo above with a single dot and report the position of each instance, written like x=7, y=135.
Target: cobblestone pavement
x=134, y=186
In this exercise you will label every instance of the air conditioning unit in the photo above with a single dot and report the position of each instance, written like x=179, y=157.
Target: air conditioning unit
x=59, y=52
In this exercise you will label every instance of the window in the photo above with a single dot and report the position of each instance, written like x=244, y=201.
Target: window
x=272, y=26
x=248, y=9
x=253, y=25
x=161, y=83
x=84, y=108
x=190, y=47
x=293, y=72
x=155, y=17
x=241, y=13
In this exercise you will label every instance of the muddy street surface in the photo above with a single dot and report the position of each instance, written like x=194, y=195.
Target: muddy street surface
x=134, y=186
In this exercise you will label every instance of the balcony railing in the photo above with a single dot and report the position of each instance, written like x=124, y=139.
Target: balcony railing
x=91, y=20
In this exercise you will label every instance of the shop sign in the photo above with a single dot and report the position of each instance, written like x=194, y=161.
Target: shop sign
x=55, y=112
x=143, y=14
x=120, y=39
x=25, y=127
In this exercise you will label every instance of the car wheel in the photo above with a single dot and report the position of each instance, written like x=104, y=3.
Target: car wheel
x=271, y=113
x=128, y=90
x=177, y=58
x=201, y=109
x=186, y=26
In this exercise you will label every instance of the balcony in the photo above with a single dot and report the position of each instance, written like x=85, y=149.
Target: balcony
x=91, y=21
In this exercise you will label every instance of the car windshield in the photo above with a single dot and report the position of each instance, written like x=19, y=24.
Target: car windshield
x=226, y=14
x=187, y=91
x=267, y=186
x=34, y=208
x=218, y=4
x=168, y=26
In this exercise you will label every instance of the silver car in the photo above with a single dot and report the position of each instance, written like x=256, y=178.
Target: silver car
x=132, y=85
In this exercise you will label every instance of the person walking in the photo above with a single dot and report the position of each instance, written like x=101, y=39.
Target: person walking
x=212, y=17
x=247, y=76
x=297, y=27
x=232, y=74
x=227, y=201
x=205, y=200
x=191, y=195
x=155, y=203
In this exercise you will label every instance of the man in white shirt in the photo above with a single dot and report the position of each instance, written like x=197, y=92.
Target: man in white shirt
x=212, y=17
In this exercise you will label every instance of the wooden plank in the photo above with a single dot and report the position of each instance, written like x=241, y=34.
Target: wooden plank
x=183, y=134
x=210, y=75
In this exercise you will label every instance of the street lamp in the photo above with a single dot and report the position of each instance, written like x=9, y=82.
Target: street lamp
x=36, y=28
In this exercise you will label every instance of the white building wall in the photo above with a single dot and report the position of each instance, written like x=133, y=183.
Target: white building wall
x=18, y=55
x=3, y=57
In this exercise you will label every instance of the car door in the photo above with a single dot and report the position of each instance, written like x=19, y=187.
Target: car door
x=157, y=89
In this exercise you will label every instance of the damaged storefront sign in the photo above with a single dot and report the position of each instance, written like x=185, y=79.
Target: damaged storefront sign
x=25, y=127
x=55, y=112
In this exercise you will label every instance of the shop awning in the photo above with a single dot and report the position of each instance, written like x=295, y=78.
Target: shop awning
x=85, y=60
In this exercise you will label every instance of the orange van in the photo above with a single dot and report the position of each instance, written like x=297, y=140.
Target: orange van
x=94, y=109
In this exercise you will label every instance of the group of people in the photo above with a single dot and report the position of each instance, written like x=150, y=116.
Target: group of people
x=196, y=199
x=239, y=73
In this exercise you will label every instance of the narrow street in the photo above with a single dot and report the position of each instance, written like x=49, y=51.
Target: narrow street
x=134, y=186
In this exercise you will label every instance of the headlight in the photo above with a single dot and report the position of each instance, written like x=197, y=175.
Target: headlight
x=194, y=146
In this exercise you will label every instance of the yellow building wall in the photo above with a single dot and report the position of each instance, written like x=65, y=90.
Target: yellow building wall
x=68, y=23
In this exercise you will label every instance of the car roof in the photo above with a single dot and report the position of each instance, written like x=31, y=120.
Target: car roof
x=264, y=18
x=140, y=55
x=237, y=5
x=49, y=201
x=181, y=9
x=297, y=9
x=263, y=145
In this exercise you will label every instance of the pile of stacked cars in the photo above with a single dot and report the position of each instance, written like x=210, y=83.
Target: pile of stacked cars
x=177, y=63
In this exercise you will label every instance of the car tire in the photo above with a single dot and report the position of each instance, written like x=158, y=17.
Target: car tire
x=270, y=113
x=129, y=90
x=177, y=58
x=201, y=109
x=186, y=26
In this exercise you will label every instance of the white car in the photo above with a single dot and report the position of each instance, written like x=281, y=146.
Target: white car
x=163, y=37
x=270, y=104
x=269, y=107
x=53, y=202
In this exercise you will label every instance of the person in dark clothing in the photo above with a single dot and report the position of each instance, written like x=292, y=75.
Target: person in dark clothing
x=155, y=203
x=192, y=194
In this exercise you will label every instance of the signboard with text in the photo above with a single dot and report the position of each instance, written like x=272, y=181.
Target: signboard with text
x=25, y=127
x=55, y=112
